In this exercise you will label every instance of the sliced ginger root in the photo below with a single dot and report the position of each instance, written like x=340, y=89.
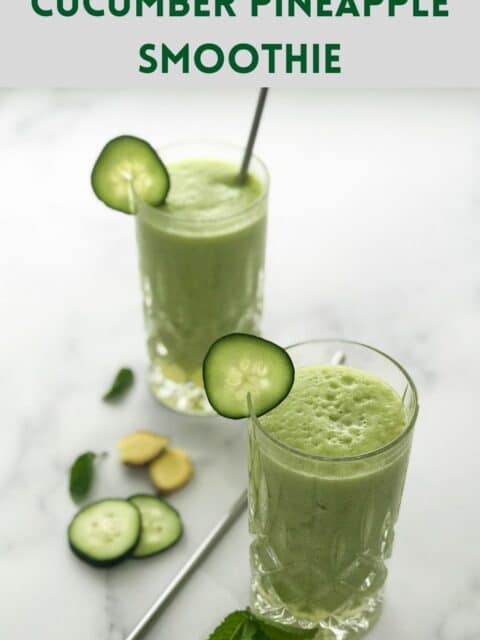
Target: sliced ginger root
x=141, y=447
x=171, y=471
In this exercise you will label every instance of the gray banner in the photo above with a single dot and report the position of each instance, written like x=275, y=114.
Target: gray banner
x=377, y=51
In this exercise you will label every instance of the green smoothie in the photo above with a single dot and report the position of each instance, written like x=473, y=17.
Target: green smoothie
x=201, y=263
x=322, y=510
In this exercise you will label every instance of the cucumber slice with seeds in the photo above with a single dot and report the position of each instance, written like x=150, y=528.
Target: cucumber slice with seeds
x=238, y=364
x=104, y=533
x=128, y=166
x=161, y=525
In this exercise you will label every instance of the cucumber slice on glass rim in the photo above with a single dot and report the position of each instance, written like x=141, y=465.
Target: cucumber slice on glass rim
x=129, y=166
x=105, y=532
x=161, y=525
x=240, y=364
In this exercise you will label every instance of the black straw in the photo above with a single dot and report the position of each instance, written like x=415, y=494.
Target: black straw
x=242, y=176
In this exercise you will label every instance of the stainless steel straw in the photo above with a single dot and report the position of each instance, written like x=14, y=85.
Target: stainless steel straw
x=257, y=118
x=216, y=534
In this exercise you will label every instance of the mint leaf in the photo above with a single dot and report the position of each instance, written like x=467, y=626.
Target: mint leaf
x=242, y=625
x=123, y=382
x=232, y=627
x=81, y=476
x=249, y=631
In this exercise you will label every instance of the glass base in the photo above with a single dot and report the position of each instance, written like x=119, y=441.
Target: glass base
x=345, y=624
x=183, y=397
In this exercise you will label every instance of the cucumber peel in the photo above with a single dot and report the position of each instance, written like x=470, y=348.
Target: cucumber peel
x=129, y=167
x=239, y=365
x=105, y=532
x=161, y=525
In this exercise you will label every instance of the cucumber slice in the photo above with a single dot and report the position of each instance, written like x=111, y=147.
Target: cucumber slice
x=161, y=525
x=128, y=166
x=238, y=364
x=105, y=532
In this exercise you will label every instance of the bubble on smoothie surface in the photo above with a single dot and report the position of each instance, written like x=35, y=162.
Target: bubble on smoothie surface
x=337, y=411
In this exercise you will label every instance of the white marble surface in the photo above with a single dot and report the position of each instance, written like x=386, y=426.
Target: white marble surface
x=374, y=235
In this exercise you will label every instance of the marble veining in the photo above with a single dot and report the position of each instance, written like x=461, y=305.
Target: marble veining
x=373, y=235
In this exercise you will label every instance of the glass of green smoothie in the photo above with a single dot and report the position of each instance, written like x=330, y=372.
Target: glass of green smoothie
x=327, y=468
x=201, y=256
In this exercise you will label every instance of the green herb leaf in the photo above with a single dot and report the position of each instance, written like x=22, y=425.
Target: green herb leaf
x=123, y=382
x=249, y=631
x=81, y=476
x=232, y=627
x=242, y=625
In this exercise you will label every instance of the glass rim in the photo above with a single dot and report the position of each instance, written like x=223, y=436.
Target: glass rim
x=361, y=456
x=238, y=213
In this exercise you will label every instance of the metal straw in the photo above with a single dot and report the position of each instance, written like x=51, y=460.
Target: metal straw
x=215, y=535
x=338, y=357
x=257, y=118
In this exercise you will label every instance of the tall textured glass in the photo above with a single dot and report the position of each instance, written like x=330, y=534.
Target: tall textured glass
x=323, y=527
x=201, y=260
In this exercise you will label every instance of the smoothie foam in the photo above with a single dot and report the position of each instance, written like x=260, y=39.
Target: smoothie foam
x=337, y=411
x=206, y=190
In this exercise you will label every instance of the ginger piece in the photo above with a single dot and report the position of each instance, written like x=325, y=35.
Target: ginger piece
x=141, y=447
x=170, y=471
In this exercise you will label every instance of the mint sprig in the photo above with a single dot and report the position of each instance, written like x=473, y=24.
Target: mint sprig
x=122, y=383
x=81, y=476
x=231, y=628
x=243, y=625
